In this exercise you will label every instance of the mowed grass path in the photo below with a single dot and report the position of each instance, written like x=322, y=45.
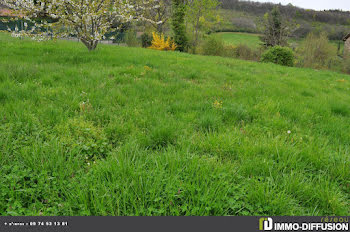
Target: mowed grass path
x=237, y=38
x=131, y=131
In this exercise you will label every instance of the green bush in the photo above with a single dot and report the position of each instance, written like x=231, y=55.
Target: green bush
x=213, y=46
x=316, y=52
x=279, y=55
x=229, y=51
x=346, y=65
x=244, y=52
x=146, y=40
x=131, y=38
x=335, y=63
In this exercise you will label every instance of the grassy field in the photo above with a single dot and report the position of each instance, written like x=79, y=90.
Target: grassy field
x=236, y=38
x=131, y=131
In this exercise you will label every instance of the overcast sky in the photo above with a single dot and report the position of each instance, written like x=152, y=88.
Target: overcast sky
x=314, y=4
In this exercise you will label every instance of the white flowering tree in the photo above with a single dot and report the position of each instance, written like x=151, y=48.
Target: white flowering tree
x=159, y=14
x=88, y=20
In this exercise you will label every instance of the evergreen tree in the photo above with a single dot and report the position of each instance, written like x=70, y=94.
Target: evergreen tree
x=178, y=24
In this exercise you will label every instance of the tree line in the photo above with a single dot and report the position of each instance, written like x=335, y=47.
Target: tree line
x=290, y=11
x=186, y=21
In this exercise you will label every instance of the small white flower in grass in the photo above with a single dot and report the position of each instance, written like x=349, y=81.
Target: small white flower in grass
x=88, y=164
x=289, y=132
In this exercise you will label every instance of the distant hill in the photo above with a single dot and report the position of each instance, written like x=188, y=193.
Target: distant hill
x=258, y=8
x=245, y=16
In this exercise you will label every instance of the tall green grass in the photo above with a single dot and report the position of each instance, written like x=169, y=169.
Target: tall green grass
x=131, y=131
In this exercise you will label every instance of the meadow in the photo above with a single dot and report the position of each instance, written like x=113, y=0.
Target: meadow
x=237, y=38
x=252, y=40
x=132, y=131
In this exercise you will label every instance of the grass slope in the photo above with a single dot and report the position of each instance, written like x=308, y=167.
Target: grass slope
x=130, y=131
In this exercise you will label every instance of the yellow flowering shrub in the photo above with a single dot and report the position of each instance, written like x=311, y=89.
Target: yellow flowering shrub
x=160, y=43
